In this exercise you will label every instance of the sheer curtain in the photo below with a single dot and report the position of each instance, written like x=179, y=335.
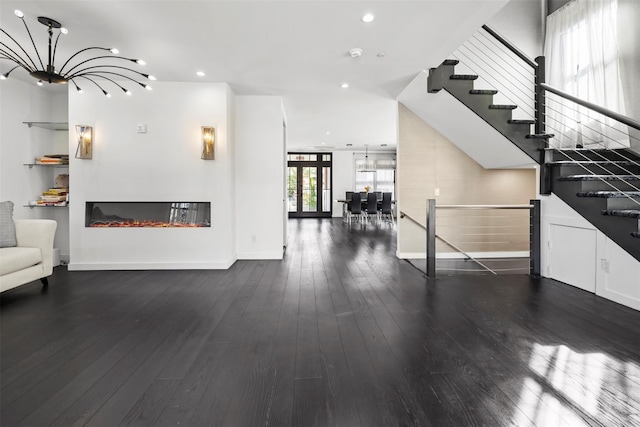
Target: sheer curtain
x=581, y=51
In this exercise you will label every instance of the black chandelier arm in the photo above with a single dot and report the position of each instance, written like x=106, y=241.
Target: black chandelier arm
x=70, y=76
x=78, y=53
x=92, y=81
x=99, y=57
x=5, y=75
x=103, y=77
x=55, y=47
x=115, y=74
x=35, y=67
x=6, y=55
x=76, y=85
x=32, y=42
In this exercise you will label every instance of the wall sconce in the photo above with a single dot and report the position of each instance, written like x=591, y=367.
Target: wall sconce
x=208, y=142
x=85, y=142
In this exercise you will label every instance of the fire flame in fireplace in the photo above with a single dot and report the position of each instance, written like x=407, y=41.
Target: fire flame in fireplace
x=148, y=224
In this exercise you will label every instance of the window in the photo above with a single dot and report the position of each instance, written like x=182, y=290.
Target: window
x=376, y=171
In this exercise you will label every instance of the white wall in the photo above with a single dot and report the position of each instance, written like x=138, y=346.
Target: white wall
x=260, y=167
x=343, y=178
x=576, y=253
x=19, y=144
x=161, y=165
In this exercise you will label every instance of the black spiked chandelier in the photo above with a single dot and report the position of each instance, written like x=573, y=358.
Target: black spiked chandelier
x=108, y=69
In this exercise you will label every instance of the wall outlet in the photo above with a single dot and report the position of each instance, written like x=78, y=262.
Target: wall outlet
x=142, y=128
x=437, y=191
x=604, y=265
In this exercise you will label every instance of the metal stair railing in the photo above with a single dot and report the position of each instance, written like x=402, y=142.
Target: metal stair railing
x=521, y=81
x=479, y=230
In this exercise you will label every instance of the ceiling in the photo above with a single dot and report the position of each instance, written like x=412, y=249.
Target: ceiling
x=296, y=49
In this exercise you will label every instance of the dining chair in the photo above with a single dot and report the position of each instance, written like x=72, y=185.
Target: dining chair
x=372, y=206
x=354, y=207
x=387, y=211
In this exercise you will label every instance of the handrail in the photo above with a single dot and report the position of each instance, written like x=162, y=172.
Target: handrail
x=403, y=214
x=511, y=47
x=611, y=114
x=484, y=206
x=595, y=107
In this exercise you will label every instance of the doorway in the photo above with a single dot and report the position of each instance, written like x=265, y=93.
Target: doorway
x=309, y=191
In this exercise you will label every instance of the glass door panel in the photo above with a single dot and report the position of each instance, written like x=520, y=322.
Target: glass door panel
x=309, y=189
x=326, y=189
x=292, y=188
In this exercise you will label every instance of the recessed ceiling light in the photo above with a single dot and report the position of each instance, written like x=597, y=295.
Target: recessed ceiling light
x=380, y=55
x=328, y=133
x=383, y=145
x=349, y=145
x=344, y=85
x=200, y=73
x=368, y=17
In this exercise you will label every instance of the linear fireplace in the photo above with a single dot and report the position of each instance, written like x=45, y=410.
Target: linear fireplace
x=148, y=214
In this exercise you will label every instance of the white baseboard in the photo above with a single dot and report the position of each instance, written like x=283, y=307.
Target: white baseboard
x=260, y=255
x=74, y=266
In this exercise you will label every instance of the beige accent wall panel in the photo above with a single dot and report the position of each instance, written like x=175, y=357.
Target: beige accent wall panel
x=428, y=163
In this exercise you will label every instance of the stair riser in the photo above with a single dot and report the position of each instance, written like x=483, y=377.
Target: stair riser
x=586, y=155
x=602, y=186
x=609, y=169
x=622, y=203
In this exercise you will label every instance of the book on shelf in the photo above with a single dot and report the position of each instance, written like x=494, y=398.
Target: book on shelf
x=43, y=203
x=53, y=159
x=55, y=191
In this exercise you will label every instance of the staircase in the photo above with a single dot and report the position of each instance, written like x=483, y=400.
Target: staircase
x=602, y=185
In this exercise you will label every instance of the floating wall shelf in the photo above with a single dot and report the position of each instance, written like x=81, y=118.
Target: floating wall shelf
x=49, y=125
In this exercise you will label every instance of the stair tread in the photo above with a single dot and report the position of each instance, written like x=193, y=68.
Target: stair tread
x=450, y=62
x=502, y=107
x=629, y=213
x=595, y=150
x=540, y=135
x=521, y=122
x=591, y=162
x=483, y=91
x=463, y=77
x=610, y=194
x=599, y=178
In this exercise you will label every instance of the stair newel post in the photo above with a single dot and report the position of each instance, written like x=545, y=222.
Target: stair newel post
x=540, y=128
x=431, y=238
x=534, y=239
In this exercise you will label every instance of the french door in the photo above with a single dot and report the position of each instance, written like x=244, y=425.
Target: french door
x=309, y=185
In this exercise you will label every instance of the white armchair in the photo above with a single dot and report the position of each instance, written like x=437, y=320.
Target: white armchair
x=32, y=258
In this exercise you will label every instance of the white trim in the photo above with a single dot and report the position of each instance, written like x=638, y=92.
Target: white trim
x=151, y=266
x=261, y=255
x=411, y=255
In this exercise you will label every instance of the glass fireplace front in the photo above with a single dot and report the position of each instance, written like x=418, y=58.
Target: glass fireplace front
x=148, y=214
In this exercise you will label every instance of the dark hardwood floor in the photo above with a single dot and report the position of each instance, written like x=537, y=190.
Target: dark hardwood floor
x=340, y=333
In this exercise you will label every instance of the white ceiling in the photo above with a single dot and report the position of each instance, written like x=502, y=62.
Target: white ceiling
x=297, y=49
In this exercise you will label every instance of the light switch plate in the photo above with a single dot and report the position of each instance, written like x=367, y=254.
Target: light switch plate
x=142, y=128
